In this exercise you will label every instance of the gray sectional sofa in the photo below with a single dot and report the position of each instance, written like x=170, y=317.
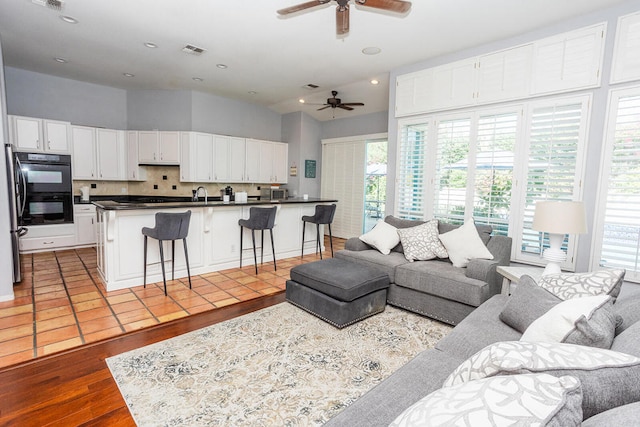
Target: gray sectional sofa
x=435, y=288
x=427, y=371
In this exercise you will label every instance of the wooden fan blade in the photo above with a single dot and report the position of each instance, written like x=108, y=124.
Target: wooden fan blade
x=355, y=104
x=345, y=107
x=301, y=6
x=399, y=6
x=342, y=20
x=324, y=108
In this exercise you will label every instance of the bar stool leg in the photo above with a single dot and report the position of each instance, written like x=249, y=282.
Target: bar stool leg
x=173, y=259
x=241, y=246
x=186, y=257
x=330, y=239
x=273, y=250
x=164, y=277
x=255, y=258
x=302, y=251
x=262, y=247
x=318, y=245
x=144, y=280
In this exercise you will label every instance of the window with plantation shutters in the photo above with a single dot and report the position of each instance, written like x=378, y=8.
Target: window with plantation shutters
x=617, y=229
x=494, y=163
x=411, y=173
x=556, y=147
x=452, y=169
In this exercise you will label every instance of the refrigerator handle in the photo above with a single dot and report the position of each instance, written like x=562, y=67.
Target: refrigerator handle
x=22, y=198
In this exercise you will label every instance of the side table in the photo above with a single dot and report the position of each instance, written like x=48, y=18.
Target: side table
x=513, y=274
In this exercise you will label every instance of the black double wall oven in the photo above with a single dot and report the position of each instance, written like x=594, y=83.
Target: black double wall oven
x=44, y=188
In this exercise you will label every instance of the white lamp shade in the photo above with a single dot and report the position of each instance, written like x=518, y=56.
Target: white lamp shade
x=560, y=217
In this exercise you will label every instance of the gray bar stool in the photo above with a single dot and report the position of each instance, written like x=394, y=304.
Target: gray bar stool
x=259, y=219
x=324, y=215
x=169, y=226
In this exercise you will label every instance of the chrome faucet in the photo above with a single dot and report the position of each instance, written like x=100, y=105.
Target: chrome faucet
x=195, y=195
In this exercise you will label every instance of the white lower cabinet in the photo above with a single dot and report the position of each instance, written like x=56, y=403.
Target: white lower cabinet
x=84, y=218
x=48, y=237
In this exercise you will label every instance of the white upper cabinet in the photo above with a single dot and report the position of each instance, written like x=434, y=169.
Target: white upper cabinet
x=134, y=171
x=110, y=147
x=196, y=162
x=252, y=160
x=505, y=75
x=221, y=158
x=454, y=84
x=39, y=135
x=266, y=162
x=569, y=61
x=83, y=157
x=237, y=159
x=626, y=54
x=159, y=148
x=280, y=162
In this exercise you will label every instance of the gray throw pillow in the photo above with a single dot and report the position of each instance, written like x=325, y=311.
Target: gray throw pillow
x=628, y=341
x=527, y=303
x=401, y=223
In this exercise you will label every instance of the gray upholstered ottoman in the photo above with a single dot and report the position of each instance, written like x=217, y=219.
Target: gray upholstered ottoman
x=338, y=291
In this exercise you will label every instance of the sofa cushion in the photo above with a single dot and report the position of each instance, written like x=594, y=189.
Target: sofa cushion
x=628, y=341
x=622, y=416
x=528, y=302
x=627, y=308
x=532, y=399
x=444, y=280
x=585, y=321
x=401, y=223
x=375, y=259
x=478, y=330
x=575, y=285
x=421, y=243
x=383, y=403
x=464, y=243
x=382, y=236
x=608, y=378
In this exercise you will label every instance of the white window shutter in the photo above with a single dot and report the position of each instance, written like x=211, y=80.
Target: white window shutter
x=411, y=172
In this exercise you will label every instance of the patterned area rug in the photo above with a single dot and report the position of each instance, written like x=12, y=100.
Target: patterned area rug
x=277, y=366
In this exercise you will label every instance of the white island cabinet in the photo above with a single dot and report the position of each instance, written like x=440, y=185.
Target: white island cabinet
x=213, y=241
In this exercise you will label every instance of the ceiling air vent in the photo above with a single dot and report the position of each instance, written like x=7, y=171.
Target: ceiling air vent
x=310, y=86
x=51, y=4
x=193, y=50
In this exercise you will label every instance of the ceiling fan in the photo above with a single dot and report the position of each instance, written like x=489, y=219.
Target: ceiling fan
x=342, y=10
x=337, y=103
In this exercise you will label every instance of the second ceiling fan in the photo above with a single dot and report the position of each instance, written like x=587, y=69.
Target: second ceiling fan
x=342, y=10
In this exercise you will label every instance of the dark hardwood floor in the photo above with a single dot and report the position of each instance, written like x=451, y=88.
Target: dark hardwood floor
x=75, y=387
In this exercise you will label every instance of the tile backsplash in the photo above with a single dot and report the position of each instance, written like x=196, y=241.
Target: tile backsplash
x=171, y=186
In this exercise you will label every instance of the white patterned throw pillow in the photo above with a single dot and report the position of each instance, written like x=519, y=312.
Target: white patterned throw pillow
x=422, y=243
x=517, y=400
x=383, y=237
x=575, y=285
x=608, y=378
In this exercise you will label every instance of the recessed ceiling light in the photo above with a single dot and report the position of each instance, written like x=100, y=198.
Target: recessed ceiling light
x=151, y=45
x=198, y=79
x=301, y=101
x=128, y=75
x=374, y=81
x=371, y=50
x=61, y=60
x=252, y=92
x=221, y=66
x=68, y=19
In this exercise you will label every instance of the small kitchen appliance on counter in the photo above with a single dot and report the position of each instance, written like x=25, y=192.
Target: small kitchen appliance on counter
x=84, y=194
x=271, y=193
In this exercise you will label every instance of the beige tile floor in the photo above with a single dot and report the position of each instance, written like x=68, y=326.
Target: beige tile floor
x=62, y=303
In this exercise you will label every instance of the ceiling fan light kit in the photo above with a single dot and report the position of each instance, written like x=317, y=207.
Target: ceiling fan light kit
x=342, y=9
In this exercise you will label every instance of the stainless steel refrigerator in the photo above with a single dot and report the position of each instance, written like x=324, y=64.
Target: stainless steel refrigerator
x=14, y=230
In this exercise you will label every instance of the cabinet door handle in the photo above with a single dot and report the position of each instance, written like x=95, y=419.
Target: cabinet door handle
x=37, y=143
x=48, y=243
x=49, y=145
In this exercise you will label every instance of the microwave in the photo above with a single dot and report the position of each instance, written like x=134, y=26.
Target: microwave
x=274, y=193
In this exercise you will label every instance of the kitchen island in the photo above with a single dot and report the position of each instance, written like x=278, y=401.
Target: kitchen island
x=213, y=241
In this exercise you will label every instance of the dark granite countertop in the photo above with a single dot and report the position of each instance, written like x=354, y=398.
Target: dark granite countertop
x=132, y=205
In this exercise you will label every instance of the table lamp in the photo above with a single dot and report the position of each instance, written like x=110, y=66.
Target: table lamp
x=558, y=218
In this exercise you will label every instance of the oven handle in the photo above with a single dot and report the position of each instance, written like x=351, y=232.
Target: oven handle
x=22, y=197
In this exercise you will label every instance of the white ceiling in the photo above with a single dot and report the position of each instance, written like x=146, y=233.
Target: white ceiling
x=266, y=54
